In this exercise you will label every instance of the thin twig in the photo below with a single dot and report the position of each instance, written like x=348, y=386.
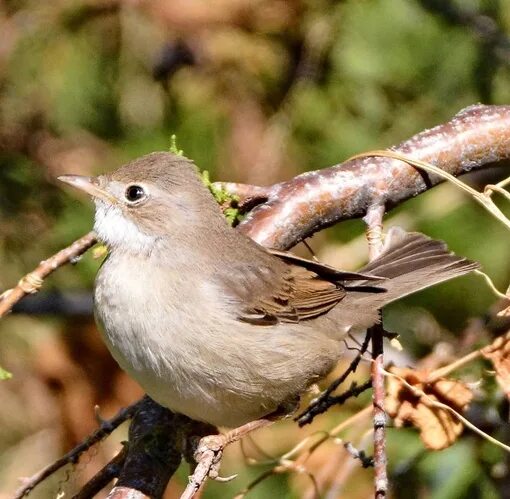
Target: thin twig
x=322, y=403
x=366, y=461
x=31, y=282
x=374, y=222
x=379, y=414
x=453, y=366
x=355, y=418
x=435, y=403
x=72, y=456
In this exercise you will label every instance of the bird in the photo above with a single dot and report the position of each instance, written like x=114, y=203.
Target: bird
x=211, y=324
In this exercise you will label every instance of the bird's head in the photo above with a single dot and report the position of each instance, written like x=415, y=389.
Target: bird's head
x=147, y=200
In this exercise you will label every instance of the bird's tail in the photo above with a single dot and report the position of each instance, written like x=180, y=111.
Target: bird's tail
x=409, y=262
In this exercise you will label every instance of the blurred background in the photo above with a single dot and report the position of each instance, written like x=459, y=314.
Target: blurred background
x=256, y=91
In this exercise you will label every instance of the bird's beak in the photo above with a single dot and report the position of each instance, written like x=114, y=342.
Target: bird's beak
x=90, y=185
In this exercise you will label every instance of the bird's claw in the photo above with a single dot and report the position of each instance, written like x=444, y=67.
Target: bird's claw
x=210, y=451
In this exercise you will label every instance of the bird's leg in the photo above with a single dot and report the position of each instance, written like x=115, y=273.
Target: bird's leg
x=210, y=448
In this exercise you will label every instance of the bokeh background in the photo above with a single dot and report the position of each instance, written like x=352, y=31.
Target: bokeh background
x=256, y=91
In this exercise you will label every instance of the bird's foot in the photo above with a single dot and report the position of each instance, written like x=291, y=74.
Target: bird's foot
x=208, y=454
x=209, y=450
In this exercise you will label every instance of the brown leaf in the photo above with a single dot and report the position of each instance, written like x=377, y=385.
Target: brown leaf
x=498, y=352
x=438, y=427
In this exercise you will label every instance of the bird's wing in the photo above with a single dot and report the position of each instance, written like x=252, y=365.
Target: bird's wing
x=287, y=289
x=323, y=269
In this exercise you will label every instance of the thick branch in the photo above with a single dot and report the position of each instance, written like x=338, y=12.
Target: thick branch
x=151, y=458
x=295, y=209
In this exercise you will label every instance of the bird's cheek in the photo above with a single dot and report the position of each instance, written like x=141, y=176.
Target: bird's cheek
x=117, y=230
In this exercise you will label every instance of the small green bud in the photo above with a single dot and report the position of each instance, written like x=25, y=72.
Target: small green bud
x=173, y=146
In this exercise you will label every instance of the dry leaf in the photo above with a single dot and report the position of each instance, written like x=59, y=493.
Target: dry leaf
x=438, y=427
x=498, y=352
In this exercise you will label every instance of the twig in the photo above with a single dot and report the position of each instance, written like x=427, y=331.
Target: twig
x=379, y=414
x=72, y=456
x=325, y=400
x=285, y=462
x=366, y=461
x=435, y=403
x=374, y=221
x=456, y=364
x=324, y=436
x=335, y=488
x=103, y=477
x=32, y=282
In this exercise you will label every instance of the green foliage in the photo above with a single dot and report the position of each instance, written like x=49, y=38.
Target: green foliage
x=173, y=146
x=228, y=201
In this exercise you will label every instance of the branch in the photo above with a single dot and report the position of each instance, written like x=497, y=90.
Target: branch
x=209, y=452
x=485, y=28
x=294, y=210
x=325, y=400
x=151, y=457
x=72, y=456
x=32, y=282
x=101, y=479
x=374, y=221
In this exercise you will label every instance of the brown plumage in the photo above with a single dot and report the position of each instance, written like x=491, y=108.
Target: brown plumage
x=211, y=324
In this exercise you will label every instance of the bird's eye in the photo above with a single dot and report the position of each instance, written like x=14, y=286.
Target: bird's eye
x=134, y=193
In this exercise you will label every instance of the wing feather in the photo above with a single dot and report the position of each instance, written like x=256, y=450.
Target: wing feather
x=288, y=289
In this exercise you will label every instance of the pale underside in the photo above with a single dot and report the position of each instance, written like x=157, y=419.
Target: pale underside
x=215, y=327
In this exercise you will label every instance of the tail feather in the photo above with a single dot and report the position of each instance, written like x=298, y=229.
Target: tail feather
x=411, y=262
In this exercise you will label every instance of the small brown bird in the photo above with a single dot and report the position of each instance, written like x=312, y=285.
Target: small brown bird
x=213, y=325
